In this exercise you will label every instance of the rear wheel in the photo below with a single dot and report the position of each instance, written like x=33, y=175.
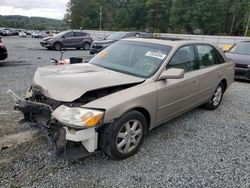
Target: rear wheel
x=57, y=46
x=86, y=46
x=217, y=97
x=125, y=136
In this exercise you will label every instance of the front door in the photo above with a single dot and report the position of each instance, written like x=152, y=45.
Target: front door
x=68, y=40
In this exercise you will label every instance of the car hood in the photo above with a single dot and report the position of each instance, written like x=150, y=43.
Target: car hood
x=100, y=42
x=69, y=82
x=47, y=38
x=239, y=58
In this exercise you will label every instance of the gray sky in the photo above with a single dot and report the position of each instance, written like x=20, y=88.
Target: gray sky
x=42, y=8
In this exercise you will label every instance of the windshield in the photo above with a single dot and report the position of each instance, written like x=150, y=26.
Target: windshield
x=117, y=36
x=241, y=48
x=134, y=58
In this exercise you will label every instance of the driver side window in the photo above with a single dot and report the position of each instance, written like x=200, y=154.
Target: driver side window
x=185, y=59
x=70, y=34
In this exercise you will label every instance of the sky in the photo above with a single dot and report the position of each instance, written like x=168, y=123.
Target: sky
x=41, y=8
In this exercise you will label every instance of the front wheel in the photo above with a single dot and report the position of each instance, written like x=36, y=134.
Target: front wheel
x=217, y=98
x=125, y=136
x=58, y=46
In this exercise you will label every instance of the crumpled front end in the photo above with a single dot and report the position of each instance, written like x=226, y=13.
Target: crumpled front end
x=65, y=140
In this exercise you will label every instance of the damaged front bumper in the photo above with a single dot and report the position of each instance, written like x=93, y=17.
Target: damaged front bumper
x=66, y=141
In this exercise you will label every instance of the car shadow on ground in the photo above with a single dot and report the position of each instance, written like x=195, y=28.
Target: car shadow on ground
x=13, y=63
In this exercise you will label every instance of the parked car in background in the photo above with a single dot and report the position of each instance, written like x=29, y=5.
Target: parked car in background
x=126, y=90
x=240, y=53
x=39, y=34
x=3, y=50
x=99, y=45
x=5, y=32
x=28, y=32
x=35, y=35
x=68, y=39
x=22, y=34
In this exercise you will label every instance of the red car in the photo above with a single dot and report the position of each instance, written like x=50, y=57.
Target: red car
x=3, y=50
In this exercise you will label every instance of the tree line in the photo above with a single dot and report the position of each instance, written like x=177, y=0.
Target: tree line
x=35, y=23
x=210, y=17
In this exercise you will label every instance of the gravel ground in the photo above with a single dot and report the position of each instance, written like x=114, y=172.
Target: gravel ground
x=198, y=149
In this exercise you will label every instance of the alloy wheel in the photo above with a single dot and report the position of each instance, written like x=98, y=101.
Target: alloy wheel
x=217, y=96
x=129, y=136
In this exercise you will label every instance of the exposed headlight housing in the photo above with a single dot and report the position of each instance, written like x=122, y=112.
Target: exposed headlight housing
x=248, y=66
x=77, y=117
x=29, y=93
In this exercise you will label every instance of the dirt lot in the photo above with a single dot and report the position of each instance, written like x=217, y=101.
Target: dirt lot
x=199, y=149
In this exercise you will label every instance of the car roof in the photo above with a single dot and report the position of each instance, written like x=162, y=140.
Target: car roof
x=81, y=31
x=173, y=43
x=140, y=32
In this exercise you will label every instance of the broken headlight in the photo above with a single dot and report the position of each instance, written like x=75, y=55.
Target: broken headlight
x=77, y=117
x=29, y=93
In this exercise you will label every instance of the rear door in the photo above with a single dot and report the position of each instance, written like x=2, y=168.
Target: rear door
x=176, y=96
x=211, y=70
x=79, y=38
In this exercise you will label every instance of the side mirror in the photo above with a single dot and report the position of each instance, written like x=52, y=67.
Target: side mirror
x=172, y=73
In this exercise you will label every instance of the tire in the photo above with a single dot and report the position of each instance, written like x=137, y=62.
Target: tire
x=124, y=137
x=57, y=46
x=217, y=97
x=86, y=46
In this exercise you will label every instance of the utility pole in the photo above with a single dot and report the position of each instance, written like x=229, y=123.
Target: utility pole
x=100, y=24
x=232, y=26
x=155, y=13
x=248, y=21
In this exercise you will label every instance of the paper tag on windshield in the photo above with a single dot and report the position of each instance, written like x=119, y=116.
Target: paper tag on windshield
x=158, y=55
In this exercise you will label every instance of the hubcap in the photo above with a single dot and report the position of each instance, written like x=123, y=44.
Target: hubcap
x=129, y=136
x=58, y=47
x=217, y=96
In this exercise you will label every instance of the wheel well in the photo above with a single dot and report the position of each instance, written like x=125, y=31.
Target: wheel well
x=57, y=42
x=86, y=42
x=224, y=82
x=146, y=114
